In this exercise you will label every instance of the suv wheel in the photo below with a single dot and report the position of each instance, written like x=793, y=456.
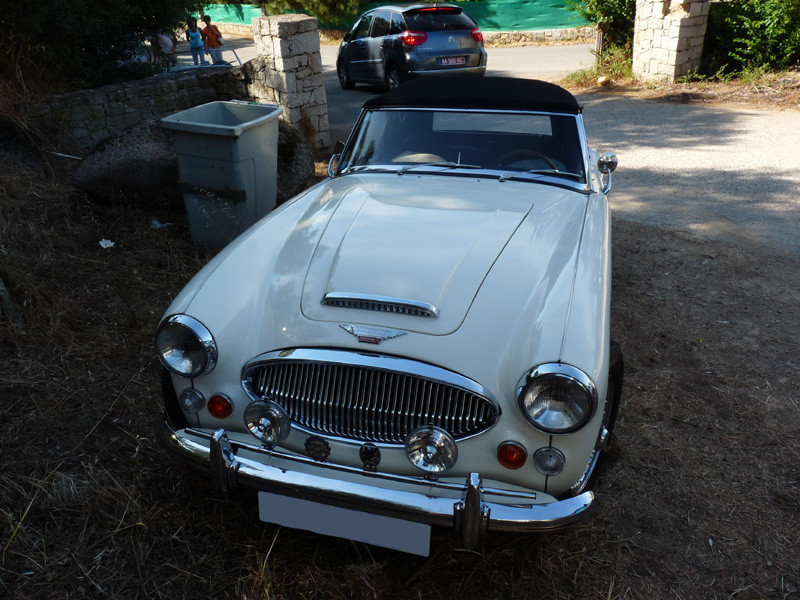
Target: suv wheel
x=393, y=78
x=344, y=76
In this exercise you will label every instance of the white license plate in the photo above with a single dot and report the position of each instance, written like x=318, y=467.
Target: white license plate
x=453, y=60
x=388, y=532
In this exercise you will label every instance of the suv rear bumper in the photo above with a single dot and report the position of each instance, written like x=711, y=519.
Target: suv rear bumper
x=478, y=71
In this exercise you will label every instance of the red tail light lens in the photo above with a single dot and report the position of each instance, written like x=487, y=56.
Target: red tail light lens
x=511, y=455
x=477, y=35
x=220, y=406
x=414, y=38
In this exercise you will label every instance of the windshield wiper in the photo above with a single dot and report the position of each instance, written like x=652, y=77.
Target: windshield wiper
x=356, y=168
x=444, y=164
x=554, y=172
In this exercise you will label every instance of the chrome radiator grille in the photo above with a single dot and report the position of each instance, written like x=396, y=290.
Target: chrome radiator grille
x=367, y=397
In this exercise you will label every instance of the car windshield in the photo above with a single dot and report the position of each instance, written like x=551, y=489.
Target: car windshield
x=510, y=142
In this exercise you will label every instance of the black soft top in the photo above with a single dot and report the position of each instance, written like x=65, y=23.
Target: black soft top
x=465, y=91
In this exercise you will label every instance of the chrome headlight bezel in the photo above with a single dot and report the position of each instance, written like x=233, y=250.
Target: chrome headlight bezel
x=172, y=355
x=537, y=409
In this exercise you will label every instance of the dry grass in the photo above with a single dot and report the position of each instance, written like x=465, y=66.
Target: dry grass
x=769, y=91
x=701, y=502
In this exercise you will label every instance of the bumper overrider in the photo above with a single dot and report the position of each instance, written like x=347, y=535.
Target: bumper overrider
x=461, y=506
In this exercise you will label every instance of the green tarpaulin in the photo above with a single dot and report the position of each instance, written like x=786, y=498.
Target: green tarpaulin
x=491, y=15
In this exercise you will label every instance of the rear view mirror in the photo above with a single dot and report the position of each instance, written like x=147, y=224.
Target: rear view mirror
x=333, y=163
x=607, y=163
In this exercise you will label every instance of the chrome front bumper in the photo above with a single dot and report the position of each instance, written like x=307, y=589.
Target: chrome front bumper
x=471, y=515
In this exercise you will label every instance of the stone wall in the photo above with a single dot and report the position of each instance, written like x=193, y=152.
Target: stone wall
x=77, y=121
x=288, y=72
x=542, y=36
x=668, y=38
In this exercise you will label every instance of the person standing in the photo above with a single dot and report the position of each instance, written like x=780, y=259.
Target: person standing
x=195, y=38
x=168, y=49
x=212, y=36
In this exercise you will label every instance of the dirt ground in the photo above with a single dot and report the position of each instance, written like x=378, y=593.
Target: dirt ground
x=771, y=92
x=700, y=500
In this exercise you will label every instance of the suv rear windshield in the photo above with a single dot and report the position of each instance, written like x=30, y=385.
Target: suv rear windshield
x=438, y=19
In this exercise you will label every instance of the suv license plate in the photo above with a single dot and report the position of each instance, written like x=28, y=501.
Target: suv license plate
x=453, y=60
x=378, y=530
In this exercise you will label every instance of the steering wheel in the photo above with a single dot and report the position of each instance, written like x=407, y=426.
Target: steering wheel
x=509, y=158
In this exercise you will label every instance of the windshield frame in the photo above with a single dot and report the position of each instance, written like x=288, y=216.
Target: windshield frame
x=582, y=185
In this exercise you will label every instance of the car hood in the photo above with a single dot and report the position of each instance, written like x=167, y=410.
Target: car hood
x=430, y=239
x=425, y=243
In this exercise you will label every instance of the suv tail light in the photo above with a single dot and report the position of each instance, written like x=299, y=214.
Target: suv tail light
x=477, y=35
x=413, y=38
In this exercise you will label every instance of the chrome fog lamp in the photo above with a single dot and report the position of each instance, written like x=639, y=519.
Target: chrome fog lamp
x=267, y=421
x=192, y=401
x=185, y=346
x=557, y=398
x=431, y=449
x=549, y=461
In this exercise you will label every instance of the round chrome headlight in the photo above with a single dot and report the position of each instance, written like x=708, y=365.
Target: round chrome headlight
x=431, y=449
x=267, y=421
x=185, y=346
x=557, y=398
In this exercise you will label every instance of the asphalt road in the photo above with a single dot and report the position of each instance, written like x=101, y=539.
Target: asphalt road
x=724, y=173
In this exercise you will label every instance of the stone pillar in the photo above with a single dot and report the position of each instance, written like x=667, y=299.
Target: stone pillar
x=668, y=38
x=289, y=74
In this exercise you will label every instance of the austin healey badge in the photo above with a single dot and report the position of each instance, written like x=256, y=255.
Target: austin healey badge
x=371, y=335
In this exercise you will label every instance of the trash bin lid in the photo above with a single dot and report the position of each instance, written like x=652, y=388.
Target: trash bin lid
x=222, y=117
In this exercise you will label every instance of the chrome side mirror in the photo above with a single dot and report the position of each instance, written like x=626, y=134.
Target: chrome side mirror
x=333, y=163
x=607, y=163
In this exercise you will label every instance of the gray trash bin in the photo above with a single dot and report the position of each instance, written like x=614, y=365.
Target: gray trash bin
x=227, y=166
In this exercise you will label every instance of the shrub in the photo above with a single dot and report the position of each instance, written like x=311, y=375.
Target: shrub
x=81, y=43
x=614, y=19
x=614, y=62
x=751, y=35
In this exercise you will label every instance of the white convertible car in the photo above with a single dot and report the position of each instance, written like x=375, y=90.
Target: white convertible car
x=422, y=338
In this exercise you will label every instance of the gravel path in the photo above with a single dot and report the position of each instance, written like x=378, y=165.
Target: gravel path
x=723, y=173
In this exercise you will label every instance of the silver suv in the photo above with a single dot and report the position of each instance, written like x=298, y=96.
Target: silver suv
x=390, y=44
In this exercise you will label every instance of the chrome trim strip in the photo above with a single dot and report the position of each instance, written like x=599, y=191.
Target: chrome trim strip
x=580, y=485
x=410, y=505
x=584, y=149
x=380, y=303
